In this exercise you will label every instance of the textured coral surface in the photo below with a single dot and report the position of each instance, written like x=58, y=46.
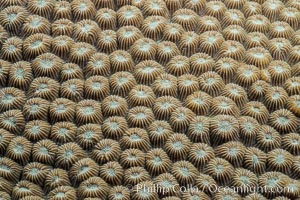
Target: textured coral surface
x=149, y=99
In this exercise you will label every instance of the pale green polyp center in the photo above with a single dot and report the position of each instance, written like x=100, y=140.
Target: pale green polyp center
x=166, y=183
x=119, y=195
x=199, y=127
x=187, y=82
x=141, y=115
x=255, y=159
x=82, y=6
x=83, y=169
x=279, y=28
x=244, y=179
x=86, y=28
x=63, y=131
x=46, y=64
x=248, y=126
x=184, y=171
x=96, y=85
x=72, y=88
x=153, y=24
x=232, y=151
x=272, y=182
x=201, y=61
x=144, y=192
x=106, y=15
x=259, y=55
x=165, y=105
x=42, y=87
x=34, y=109
x=167, y=49
x=11, y=17
x=114, y=104
x=122, y=80
x=177, y=145
x=35, y=23
x=19, y=73
x=68, y=153
x=121, y=58
x=7, y=98
x=62, y=42
x=60, y=108
x=165, y=83
x=114, y=125
x=111, y=172
x=219, y=168
x=128, y=34
x=198, y=101
x=210, y=81
x=181, y=116
x=216, y=7
x=34, y=171
x=268, y=137
x=88, y=134
x=41, y=3
x=209, y=22
x=36, y=44
x=135, y=137
x=141, y=94
x=155, y=6
x=93, y=187
x=297, y=102
x=280, y=159
x=98, y=63
x=258, y=22
x=131, y=157
x=105, y=149
x=135, y=175
x=148, y=70
x=235, y=16
x=248, y=73
x=11, y=48
x=185, y=16
x=200, y=153
x=35, y=129
x=11, y=121
x=145, y=47
x=4, y=168
x=173, y=30
x=159, y=130
x=275, y=95
x=224, y=105
x=129, y=14
x=279, y=69
x=88, y=110
x=23, y=189
x=44, y=150
x=283, y=120
x=19, y=149
x=211, y=39
x=60, y=195
x=81, y=50
x=225, y=126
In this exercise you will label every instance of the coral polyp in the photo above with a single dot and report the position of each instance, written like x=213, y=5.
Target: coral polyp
x=106, y=150
x=157, y=161
x=200, y=154
x=219, y=169
x=223, y=128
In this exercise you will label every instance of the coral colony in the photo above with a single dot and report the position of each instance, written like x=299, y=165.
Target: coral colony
x=149, y=99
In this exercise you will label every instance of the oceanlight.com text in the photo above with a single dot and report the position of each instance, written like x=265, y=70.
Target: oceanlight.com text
x=211, y=189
